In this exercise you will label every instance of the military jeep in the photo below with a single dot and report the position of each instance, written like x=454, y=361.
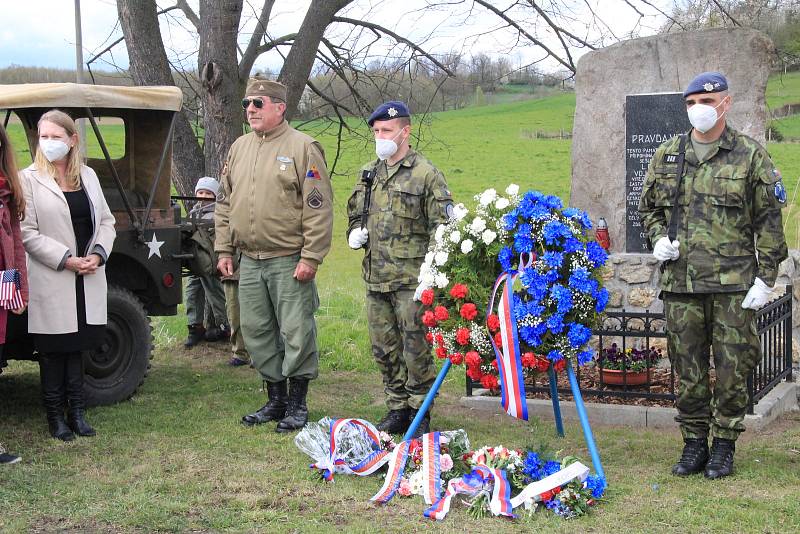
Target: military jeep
x=144, y=267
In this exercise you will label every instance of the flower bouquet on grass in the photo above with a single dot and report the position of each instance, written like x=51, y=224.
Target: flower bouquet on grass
x=344, y=446
x=452, y=448
x=501, y=480
x=441, y=465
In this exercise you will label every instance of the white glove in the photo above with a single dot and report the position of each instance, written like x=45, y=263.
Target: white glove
x=418, y=292
x=665, y=251
x=358, y=238
x=758, y=295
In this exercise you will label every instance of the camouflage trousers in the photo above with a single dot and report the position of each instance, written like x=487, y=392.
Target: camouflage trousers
x=399, y=347
x=695, y=323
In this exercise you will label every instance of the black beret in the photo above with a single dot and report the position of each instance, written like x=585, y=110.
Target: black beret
x=388, y=111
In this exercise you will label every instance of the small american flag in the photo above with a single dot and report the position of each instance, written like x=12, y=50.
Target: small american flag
x=10, y=295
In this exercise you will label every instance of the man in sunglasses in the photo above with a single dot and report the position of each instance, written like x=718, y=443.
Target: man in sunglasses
x=277, y=209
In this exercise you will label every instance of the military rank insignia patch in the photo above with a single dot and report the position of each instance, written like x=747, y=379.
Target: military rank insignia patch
x=314, y=199
x=780, y=192
x=313, y=173
x=670, y=158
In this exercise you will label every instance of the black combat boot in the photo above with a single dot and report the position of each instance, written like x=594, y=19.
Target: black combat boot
x=721, y=462
x=394, y=422
x=424, y=425
x=693, y=459
x=196, y=335
x=52, y=370
x=274, y=409
x=76, y=410
x=297, y=411
x=218, y=333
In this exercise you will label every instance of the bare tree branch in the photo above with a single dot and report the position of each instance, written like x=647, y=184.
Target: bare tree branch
x=378, y=28
x=253, y=49
x=661, y=12
x=525, y=33
x=187, y=11
x=559, y=30
x=360, y=100
x=724, y=12
x=278, y=41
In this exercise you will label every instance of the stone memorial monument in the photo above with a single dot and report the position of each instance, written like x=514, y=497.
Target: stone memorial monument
x=628, y=98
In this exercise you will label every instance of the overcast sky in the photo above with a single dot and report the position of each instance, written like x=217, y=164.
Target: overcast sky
x=42, y=32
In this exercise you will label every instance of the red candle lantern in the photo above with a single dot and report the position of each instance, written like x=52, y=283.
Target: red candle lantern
x=601, y=234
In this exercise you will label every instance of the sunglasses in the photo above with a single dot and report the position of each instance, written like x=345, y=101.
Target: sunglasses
x=257, y=102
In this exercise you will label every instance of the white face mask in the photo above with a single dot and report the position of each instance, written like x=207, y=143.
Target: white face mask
x=53, y=149
x=703, y=117
x=386, y=148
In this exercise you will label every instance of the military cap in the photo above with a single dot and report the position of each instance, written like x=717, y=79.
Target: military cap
x=259, y=87
x=706, y=82
x=389, y=110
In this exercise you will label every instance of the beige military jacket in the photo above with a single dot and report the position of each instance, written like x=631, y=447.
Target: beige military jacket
x=276, y=198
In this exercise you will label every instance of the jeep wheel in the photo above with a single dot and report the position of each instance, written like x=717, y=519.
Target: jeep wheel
x=117, y=368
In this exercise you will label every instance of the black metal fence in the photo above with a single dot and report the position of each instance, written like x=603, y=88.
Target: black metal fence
x=637, y=330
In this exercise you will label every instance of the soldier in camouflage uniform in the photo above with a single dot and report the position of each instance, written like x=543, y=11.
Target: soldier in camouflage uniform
x=718, y=268
x=409, y=199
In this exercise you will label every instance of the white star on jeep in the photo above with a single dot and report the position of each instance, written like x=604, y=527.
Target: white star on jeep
x=154, y=247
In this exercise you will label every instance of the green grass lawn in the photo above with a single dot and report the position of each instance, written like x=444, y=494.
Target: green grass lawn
x=175, y=458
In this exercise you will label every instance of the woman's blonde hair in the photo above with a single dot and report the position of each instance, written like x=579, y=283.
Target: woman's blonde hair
x=8, y=166
x=73, y=173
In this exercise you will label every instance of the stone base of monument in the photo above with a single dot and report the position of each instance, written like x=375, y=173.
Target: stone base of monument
x=782, y=399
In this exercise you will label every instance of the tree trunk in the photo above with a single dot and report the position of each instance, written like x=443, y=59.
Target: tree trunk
x=297, y=67
x=149, y=66
x=219, y=74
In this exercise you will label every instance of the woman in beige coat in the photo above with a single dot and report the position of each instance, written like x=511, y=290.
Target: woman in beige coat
x=68, y=232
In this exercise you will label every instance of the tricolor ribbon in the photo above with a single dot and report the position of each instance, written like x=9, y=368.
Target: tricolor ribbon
x=486, y=480
x=481, y=479
x=431, y=467
x=509, y=359
x=334, y=464
x=397, y=465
